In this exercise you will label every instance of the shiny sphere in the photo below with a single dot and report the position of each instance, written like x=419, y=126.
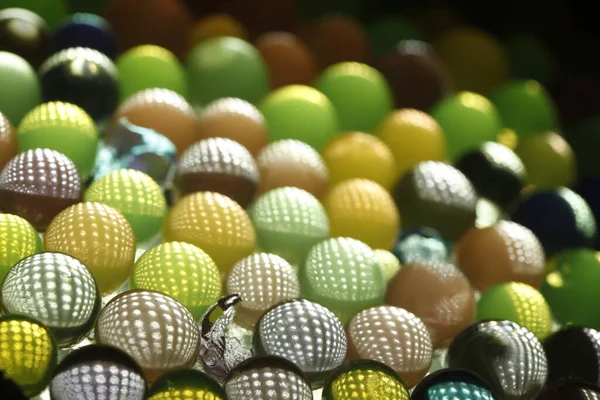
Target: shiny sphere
x=360, y=155
x=294, y=163
x=166, y=336
x=421, y=244
x=438, y=196
x=289, y=328
x=182, y=271
x=262, y=280
x=28, y=354
x=8, y=141
x=517, y=302
x=518, y=255
x=55, y=289
x=136, y=196
x=288, y=222
x=20, y=87
x=38, y=184
x=21, y=240
x=507, y=356
x=97, y=235
x=86, y=30
x=51, y=11
x=234, y=119
x=389, y=263
x=26, y=34
x=97, y=372
x=218, y=165
x=186, y=384
x=460, y=384
x=215, y=223
x=267, y=377
x=63, y=127
x=393, y=336
x=164, y=111
x=363, y=210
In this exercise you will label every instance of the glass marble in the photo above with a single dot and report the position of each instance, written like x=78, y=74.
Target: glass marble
x=8, y=141
x=288, y=222
x=20, y=87
x=154, y=329
x=86, y=30
x=97, y=235
x=421, y=244
x=26, y=34
x=452, y=384
x=186, y=384
x=19, y=239
x=38, y=184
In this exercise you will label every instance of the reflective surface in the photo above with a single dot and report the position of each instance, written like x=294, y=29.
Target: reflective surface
x=421, y=244
x=21, y=241
x=571, y=391
x=25, y=33
x=186, y=385
x=452, y=384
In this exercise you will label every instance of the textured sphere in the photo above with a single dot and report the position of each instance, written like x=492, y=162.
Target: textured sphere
x=154, y=329
x=21, y=240
x=182, y=271
x=38, y=184
x=136, y=196
x=262, y=280
x=294, y=163
x=29, y=353
x=26, y=34
x=288, y=222
x=438, y=196
x=363, y=210
x=84, y=29
x=63, y=127
x=234, y=119
x=394, y=337
x=8, y=141
x=517, y=255
x=20, y=87
x=344, y=275
x=97, y=235
x=163, y=110
x=390, y=265
x=55, y=289
x=460, y=384
x=291, y=328
x=267, y=377
x=216, y=224
x=186, y=384
x=218, y=165
x=98, y=372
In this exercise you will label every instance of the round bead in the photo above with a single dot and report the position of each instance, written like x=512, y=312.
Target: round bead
x=461, y=384
x=183, y=383
x=86, y=30
x=51, y=11
x=421, y=244
x=20, y=87
x=21, y=240
x=8, y=141
x=389, y=263
x=26, y=34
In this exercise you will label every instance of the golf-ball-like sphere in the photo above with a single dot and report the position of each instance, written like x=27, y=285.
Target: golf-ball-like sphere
x=55, y=289
x=25, y=33
x=438, y=196
x=518, y=255
x=163, y=110
x=8, y=141
x=182, y=271
x=394, y=337
x=436, y=292
x=215, y=223
x=135, y=195
x=186, y=384
x=344, y=275
x=156, y=330
x=97, y=235
x=218, y=165
x=305, y=333
x=267, y=377
x=234, y=119
x=97, y=372
x=390, y=265
x=292, y=163
x=262, y=280
x=38, y=184
x=19, y=239
x=63, y=127
x=363, y=210
x=81, y=76
x=28, y=354
x=458, y=384
x=288, y=222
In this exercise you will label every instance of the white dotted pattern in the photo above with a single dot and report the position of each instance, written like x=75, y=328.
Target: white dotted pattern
x=441, y=183
x=293, y=152
x=74, y=53
x=267, y=383
x=523, y=247
x=231, y=105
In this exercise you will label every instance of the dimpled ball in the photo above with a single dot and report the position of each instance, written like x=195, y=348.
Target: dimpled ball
x=136, y=196
x=363, y=210
x=460, y=384
x=8, y=141
x=390, y=265
x=186, y=384
x=19, y=240
x=218, y=165
x=153, y=328
x=28, y=355
x=182, y=271
x=38, y=184
x=215, y=223
x=63, y=127
x=517, y=302
x=290, y=328
x=394, y=337
x=288, y=222
x=55, y=289
x=291, y=162
x=360, y=155
x=262, y=280
x=343, y=275
x=97, y=235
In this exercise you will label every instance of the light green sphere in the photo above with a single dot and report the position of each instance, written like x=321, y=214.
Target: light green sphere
x=19, y=87
x=18, y=239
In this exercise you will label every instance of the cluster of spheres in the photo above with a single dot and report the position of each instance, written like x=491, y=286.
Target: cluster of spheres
x=245, y=201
